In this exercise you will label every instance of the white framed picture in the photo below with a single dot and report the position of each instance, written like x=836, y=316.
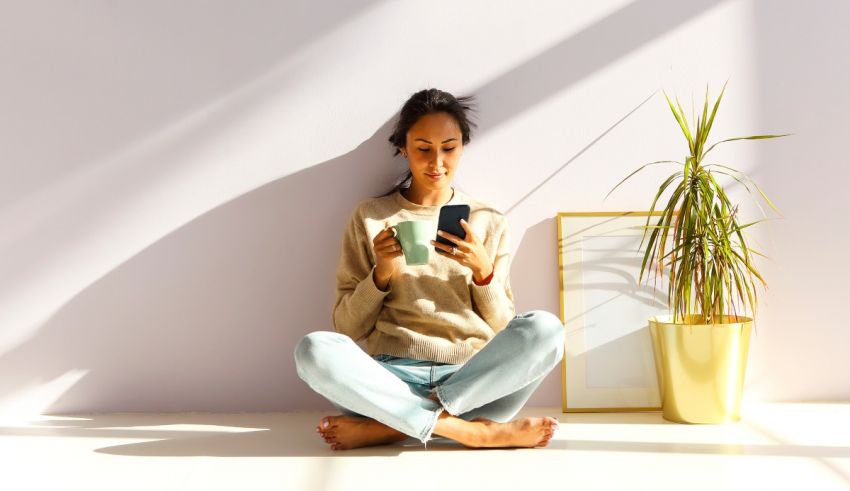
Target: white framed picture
x=608, y=362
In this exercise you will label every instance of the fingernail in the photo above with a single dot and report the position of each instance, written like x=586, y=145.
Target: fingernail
x=324, y=424
x=439, y=232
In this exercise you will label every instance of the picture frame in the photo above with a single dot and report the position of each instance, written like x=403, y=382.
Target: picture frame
x=608, y=363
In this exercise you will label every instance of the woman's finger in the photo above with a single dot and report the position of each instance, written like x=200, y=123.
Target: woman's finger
x=447, y=250
x=470, y=237
x=390, y=241
x=388, y=231
x=456, y=257
x=385, y=235
x=454, y=238
x=378, y=239
x=441, y=246
x=389, y=247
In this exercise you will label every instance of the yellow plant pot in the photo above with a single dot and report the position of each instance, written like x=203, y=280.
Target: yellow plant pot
x=701, y=367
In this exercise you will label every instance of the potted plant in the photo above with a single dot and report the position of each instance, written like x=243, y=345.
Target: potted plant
x=698, y=244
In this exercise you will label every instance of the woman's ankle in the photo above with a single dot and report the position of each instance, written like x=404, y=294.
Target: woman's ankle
x=459, y=430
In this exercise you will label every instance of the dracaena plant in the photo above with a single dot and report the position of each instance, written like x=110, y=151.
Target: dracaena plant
x=698, y=236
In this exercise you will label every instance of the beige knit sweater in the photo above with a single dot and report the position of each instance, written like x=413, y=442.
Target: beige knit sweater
x=430, y=312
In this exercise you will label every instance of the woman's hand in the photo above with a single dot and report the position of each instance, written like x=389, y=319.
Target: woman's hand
x=470, y=252
x=387, y=248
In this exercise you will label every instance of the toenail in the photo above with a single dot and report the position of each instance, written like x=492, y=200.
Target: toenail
x=324, y=424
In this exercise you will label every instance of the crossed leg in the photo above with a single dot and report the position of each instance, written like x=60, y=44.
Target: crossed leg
x=347, y=432
x=353, y=431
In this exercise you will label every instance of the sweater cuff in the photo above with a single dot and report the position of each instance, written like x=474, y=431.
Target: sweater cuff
x=372, y=290
x=486, y=280
x=491, y=293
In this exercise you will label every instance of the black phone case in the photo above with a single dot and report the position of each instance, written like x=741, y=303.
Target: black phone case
x=449, y=221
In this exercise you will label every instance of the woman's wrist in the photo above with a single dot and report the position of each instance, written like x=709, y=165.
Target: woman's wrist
x=381, y=283
x=480, y=279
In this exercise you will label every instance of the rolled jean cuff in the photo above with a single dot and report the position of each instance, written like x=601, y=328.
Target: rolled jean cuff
x=430, y=430
x=441, y=396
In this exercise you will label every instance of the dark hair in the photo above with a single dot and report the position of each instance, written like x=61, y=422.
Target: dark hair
x=428, y=101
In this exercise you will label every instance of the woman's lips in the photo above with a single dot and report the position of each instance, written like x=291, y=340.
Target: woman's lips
x=435, y=177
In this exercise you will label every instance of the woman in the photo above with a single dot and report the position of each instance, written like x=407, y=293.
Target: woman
x=446, y=353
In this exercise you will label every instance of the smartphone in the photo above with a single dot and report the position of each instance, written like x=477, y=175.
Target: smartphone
x=449, y=221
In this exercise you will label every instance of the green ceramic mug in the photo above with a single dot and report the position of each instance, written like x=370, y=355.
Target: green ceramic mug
x=415, y=238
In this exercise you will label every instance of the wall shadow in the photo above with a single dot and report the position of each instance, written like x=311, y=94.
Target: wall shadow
x=95, y=77
x=193, y=305
x=204, y=304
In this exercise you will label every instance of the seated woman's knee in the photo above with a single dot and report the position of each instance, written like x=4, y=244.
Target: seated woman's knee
x=312, y=346
x=547, y=326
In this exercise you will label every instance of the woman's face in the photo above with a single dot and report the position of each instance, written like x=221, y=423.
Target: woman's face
x=433, y=148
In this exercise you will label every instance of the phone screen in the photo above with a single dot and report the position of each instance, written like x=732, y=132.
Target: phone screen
x=449, y=221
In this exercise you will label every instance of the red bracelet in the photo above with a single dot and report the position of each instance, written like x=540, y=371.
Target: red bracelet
x=486, y=280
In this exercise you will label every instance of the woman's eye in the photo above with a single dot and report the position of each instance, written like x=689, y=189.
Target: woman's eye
x=446, y=149
x=424, y=149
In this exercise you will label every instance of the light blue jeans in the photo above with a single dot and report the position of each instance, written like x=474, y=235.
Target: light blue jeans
x=495, y=383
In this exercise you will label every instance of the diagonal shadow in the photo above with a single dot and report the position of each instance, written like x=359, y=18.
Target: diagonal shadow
x=582, y=54
x=157, y=60
x=577, y=155
x=203, y=307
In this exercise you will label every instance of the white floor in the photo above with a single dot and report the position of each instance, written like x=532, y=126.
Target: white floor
x=775, y=446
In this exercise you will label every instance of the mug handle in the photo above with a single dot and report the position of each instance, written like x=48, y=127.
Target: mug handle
x=395, y=230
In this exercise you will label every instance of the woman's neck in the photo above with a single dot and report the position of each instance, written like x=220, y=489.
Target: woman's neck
x=429, y=198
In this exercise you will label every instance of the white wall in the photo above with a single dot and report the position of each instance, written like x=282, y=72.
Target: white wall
x=177, y=176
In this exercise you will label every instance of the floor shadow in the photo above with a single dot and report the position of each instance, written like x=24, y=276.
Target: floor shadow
x=271, y=436
x=294, y=436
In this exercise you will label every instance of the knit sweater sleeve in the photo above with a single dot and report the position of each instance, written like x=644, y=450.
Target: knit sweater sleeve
x=494, y=302
x=358, y=298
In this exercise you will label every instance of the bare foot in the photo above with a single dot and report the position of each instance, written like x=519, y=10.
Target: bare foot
x=346, y=432
x=525, y=432
x=482, y=432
